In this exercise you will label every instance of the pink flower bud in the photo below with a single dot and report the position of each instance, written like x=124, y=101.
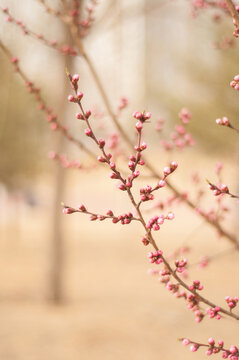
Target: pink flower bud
x=219, y=121
x=88, y=113
x=68, y=210
x=101, y=159
x=75, y=78
x=186, y=342
x=167, y=170
x=209, y=352
x=224, y=188
x=122, y=187
x=170, y=216
x=145, y=241
x=14, y=60
x=113, y=175
x=211, y=341
x=225, y=121
x=137, y=115
x=79, y=116
x=161, y=183
x=79, y=95
x=93, y=217
x=233, y=349
x=147, y=115
x=139, y=126
x=225, y=355
x=101, y=143
x=194, y=347
x=81, y=207
x=236, y=78
x=88, y=132
x=143, y=146
x=173, y=165
x=136, y=173
x=71, y=98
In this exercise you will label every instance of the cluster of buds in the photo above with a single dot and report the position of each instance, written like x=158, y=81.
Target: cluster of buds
x=62, y=158
x=218, y=190
x=155, y=222
x=123, y=103
x=214, y=312
x=185, y=116
x=224, y=121
x=181, y=138
x=203, y=262
x=231, y=353
x=132, y=159
x=232, y=301
x=225, y=43
x=170, y=169
x=155, y=257
x=172, y=287
x=142, y=116
x=180, y=265
x=235, y=83
x=196, y=285
x=193, y=305
x=145, y=193
x=164, y=276
x=124, y=219
x=113, y=141
x=192, y=302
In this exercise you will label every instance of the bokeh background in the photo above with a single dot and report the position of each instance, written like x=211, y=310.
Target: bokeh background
x=72, y=289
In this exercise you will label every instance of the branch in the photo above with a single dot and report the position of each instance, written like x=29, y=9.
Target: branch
x=51, y=117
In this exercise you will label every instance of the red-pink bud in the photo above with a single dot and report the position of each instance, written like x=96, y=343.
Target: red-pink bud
x=101, y=143
x=143, y=146
x=81, y=207
x=88, y=132
x=122, y=187
x=161, y=183
x=79, y=95
x=186, y=342
x=71, y=98
x=68, y=210
x=139, y=126
x=93, y=217
x=14, y=60
x=79, y=116
x=137, y=115
x=88, y=113
x=75, y=78
x=101, y=159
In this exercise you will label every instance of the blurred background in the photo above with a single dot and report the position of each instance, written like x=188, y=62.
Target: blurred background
x=73, y=289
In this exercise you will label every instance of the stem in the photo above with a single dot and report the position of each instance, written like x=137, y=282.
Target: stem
x=233, y=11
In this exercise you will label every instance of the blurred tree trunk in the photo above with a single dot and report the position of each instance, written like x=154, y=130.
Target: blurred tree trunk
x=57, y=241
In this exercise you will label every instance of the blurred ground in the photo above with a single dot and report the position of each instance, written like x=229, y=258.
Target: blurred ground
x=112, y=308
